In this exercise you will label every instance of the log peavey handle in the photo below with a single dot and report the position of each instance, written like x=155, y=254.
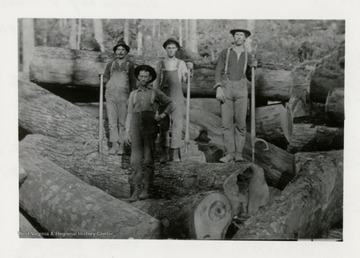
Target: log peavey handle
x=101, y=104
x=187, y=133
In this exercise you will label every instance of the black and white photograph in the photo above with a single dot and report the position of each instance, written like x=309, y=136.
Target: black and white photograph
x=174, y=130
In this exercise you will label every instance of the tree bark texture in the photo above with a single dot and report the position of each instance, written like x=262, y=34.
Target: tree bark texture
x=328, y=74
x=28, y=42
x=310, y=205
x=98, y=33
x=308, y=137
x=334, y=107
x=69, y=208
x=204, y=215
x=26, y=230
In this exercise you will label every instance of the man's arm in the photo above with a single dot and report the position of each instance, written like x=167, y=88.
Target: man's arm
x=220, y=66
x=129, y=111
x=107, y=72
x=165, y=101
x=183, y=71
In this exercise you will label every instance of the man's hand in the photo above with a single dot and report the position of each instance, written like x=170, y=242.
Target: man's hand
x=127, y=139
x=190, y=65
x=254, y=63
x=220, y=96
x=159, y=117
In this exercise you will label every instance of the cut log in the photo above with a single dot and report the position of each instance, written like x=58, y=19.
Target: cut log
x=200, y=216
x=69, y=208
x=277, y=163
x=211, y=105
x=44, y=113
x=22, y=176
x=328, y=74
x=59, y=66
x=307, y=207
x=308, y=137
x=247, y=190
x=26, y=230
x=300, y=106
x=274, y=123
x=334, y=107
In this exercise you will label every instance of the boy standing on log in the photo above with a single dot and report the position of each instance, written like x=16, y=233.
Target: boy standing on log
x=142, y=128
x=171, y=72
x=231, y=91
x=119, y=79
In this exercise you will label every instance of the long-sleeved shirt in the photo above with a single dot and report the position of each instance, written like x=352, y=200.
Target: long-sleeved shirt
x=170, y=65
x=121, y=65
x=235, y=69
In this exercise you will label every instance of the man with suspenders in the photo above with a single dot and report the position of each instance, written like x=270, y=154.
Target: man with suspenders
x=232, y=92
x=120, y=80
x=172, y=71
x=142, y=128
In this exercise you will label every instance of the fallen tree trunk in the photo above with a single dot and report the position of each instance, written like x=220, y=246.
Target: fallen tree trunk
x=211, y=105
x=328, y=74
x=274, y=123
x=59, y=66
x=277, y=163
x=200, y=216
x=307, y=137
x=308, y=206
x=334, y=107
x=69, y=208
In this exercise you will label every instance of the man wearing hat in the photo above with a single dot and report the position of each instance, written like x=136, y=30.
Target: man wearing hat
x=171, y=72
x=119, y=79
x=142, y=128
x=231, y=91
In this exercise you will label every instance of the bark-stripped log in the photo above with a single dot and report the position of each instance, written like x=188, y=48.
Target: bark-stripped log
x=307, y=207
x=70, y=208
x=307, y=137
x=201, y=216
x=26, y=230
x=328, y=74
x=334, y=107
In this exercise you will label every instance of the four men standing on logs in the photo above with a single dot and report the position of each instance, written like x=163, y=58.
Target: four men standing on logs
x=164, y=104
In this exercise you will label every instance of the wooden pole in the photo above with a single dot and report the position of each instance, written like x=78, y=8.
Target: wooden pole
x=253, y=134
x=187, y=134
x=101, y=101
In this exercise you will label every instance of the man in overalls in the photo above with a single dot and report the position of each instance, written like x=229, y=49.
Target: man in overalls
x=232, y=92
x=119, y=79
x=142, y=128
x=171, y=72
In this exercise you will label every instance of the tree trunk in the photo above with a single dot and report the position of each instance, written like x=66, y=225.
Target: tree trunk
x=334, y=107
x=247, y=190
x=200, y=216
x=307, y=137
x=192, y=43
x=187, y=33
x=277, y=163
x=69, y=208
x=26, y=230
x=180, y=33
x=308, y=206
x=328, y=74
x=139, y=39
x=274, y=123
x=98, y=33
x=210, y=105
x=127, y=32
x=73, y=34
x=28, y=42
x=78, y=41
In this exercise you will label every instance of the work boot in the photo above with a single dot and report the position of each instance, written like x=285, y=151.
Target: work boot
x=228, y=158
x=135, y=194
x=148, y=180
x=145, y=192
x=114, y=148
x=164, y=155
x=176, y=155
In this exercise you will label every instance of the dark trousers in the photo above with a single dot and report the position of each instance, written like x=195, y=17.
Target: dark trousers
x=143, y=132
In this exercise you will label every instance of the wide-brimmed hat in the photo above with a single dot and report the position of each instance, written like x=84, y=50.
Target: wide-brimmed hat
x=145, y=68
x=171, y=40
x=123, y=44
x=246, y=32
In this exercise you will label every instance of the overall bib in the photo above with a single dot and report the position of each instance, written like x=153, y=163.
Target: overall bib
x=171, y=86
x=117, y=93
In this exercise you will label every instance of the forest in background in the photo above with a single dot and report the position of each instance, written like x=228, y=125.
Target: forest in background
x=285, y=43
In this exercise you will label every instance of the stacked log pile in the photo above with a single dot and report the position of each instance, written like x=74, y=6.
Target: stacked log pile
x=68, y=187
